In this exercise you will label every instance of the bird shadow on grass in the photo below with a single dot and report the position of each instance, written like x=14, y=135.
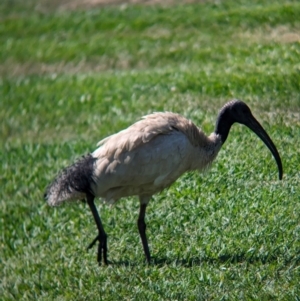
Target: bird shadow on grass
x=222, y=259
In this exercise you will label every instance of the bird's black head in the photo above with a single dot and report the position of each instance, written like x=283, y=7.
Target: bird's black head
x=231, y=112
x=238, y=111
x=235, y=111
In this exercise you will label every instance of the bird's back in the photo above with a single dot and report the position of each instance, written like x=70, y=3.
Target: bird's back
x=149, y=156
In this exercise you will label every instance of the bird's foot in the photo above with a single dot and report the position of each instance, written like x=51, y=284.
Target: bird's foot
x=102, y=248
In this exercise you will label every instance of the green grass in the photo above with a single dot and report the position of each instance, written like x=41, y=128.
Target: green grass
x=72, y=77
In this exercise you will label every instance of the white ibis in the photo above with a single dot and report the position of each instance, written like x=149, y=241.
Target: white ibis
x=144, y=159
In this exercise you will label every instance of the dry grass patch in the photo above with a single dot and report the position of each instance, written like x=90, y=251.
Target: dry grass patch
x=280, y=34
x=87, y=4
x=12, y=69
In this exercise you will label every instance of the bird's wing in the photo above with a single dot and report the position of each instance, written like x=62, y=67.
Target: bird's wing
x=143, y=170
x=144, y=154
x=149, y=127
x=140, y=132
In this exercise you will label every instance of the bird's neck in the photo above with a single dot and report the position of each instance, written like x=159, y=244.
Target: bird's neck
x=223, y=124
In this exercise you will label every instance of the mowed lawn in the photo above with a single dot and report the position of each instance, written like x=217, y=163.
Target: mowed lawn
x=72, y=74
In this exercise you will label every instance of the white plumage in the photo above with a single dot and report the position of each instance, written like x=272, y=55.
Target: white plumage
x=144, y=159
x=149, y=156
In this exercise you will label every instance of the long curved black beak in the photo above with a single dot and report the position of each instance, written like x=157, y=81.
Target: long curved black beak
x=255, y=126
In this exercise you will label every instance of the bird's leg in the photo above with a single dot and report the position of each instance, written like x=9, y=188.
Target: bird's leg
x=142, y=229
x=102, y=237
